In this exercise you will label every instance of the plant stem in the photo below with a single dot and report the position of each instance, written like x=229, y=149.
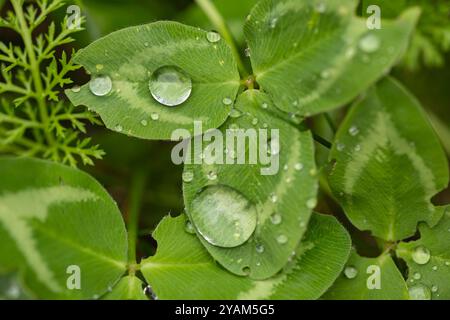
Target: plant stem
x=34, y=68
x=330, y=122
x=138, y=183
x=324, y=142
x=219, y=23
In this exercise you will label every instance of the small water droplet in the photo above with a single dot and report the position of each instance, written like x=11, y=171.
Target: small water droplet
x=358, y=148
x=213, y=37
x=170, y=86
x=100, y=85
x=421, y=255
x=235, y=113
x=273, y=23
x=227, y=101
x=311, y=203
x=212, y=175
x=76, y=89
x=118, y=128
x=99, y=67
x=350, y=272
x=144, y=122
x=419, y=292
x=353, y=131
x=282, y=239
x=154, y=116
x=434, y=268
x=340, y=147
x=275, y=218
x=264, y=105
x=434, y=288
x=189, y=227
x=417, y=276
x=447, y=263
x=273, y=197
x=320, y=7
x=298, y=166
x=255, y=121
x=259, y=248
x=325, y=74
x=188, y=176
x=369, y=43
x=223, y=216
x=247, y=52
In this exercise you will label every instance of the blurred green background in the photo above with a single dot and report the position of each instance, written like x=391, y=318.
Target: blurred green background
x=425, y=70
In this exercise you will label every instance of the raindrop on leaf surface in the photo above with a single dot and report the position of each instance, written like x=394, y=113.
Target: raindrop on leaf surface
x=419, y=292
x=350, y=272
x=223, y=216
x=100, y=85
x=170, y=86
x=369, y=43
x=421, y=255
x=213, y=37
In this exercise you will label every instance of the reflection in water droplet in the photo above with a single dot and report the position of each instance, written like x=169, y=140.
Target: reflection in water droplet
x=369, y=43
x=100, y=85
x=421, y=255
x=282, y=239
x=275, y=218
x=188, y=176
x=223, y=216
x=419, y=292
x=213, y=36
x=350, y=272
x=170, y=86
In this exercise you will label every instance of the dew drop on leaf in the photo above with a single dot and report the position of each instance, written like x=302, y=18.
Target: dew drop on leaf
x=369, y=43
x=223, y=216
x=212, y=175
x=154, y=116
x=100, y=85
x=259, y=248
x=298, y=166
x=189, y=227
x=213, y=36
x=118, y=128
x=350, y=272
x=434, y=288
x=144, y=122
x=353, y=131
x=320, y=7
x=417, y=276
x=282, y=239
x=275, y=218
x=188, y=176
x=227, y=101
x=421, y=255
x=75, y=89
x=235, y=113
x=170, y=86
x=419, y=292
x=311, y=203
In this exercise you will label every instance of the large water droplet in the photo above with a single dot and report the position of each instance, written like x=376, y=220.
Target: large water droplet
x=419, y=292
x=369, y=43
x=223, y=216
x=350, y=272
x=170, y=86
x=100, y=85
x=213, y=36
x=421, y=255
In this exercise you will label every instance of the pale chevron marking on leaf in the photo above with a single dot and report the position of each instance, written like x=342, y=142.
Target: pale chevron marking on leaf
x=266, y=208
x=382, y=133
x=262, y=290
x=15, y=211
